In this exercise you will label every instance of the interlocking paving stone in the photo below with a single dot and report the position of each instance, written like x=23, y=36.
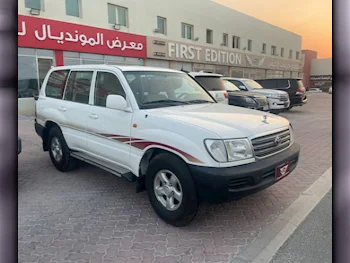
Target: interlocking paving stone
x=89, y=215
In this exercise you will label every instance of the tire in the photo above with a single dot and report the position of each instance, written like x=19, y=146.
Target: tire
x=66, y=162
x=186, y=209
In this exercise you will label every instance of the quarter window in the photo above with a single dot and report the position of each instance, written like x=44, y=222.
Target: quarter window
x=107, y=84
x=117, y=15
x=78, y=86
x=55, y=84
x=72, y=8
x=161, y=25
x=186, y=31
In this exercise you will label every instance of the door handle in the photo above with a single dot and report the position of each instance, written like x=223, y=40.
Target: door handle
x=93, y=116
x=62, y=109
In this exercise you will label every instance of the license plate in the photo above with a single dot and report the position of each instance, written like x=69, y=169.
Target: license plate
x=282, y=170
x=266, y=107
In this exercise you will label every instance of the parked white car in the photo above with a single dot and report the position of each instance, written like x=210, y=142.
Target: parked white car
x=182, y=147
x=278, y=100
x=213, y=83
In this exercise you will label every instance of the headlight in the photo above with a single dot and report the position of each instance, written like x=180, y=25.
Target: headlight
x=249, y=100
x=229, y=150
x=275, y=96
x=291, y=132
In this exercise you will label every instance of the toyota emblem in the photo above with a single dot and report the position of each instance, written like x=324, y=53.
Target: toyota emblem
x=278, y=140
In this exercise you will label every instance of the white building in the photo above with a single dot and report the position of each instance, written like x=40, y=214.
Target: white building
x=193, y=35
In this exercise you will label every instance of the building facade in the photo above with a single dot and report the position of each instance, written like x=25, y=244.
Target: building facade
x=309, y=56
x=321, y=73
x=191, y=35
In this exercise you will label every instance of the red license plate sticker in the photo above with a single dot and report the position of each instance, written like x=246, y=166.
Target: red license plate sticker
x=282, y=170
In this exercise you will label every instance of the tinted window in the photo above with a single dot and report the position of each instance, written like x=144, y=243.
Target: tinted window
x=78, y=86
x=230, y=86
x=267, y=83
x=236, y=82
x=107, y=84
x=252, y=84
x=282, y=83
x=211, y=83
x=55, y=84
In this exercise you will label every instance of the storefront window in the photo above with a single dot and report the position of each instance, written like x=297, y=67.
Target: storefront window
x=236, y=72
x=223, y=70
x=182, y=65
x=250, y=73
x=294, y=74
x=33, y=65
x=158, y=63
x=286, y=74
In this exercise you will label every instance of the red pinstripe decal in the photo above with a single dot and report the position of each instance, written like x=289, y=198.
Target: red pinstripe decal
x=138, y=143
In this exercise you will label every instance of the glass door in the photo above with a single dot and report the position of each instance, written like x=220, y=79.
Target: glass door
x=44, y=65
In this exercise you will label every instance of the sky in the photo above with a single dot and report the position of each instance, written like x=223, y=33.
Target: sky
x=312, y=19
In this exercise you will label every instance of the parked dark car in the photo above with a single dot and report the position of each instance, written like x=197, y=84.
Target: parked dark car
x=293, y=86
x=249, y=100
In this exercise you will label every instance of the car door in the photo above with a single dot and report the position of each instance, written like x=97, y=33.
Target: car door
x=74, y=107
x=108, y=129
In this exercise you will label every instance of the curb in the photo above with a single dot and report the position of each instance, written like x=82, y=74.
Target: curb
x=273, y=236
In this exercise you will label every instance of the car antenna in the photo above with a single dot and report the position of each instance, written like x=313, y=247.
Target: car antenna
x=182, y=69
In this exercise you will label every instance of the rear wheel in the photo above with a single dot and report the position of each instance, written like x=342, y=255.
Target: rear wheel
x=171, y=190
x=59, y=152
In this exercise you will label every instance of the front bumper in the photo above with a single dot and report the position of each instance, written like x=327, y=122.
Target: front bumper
x=276, y=104
x=224, y=184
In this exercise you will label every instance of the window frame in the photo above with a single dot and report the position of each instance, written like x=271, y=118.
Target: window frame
x=225, y=43
x=250, y=45
x=92, y=80
x=165, y=24
x=297, y=55
x=79, y=9
x=211, y=36
x=264, y=47
x=117, y=22
x=30, y=7
x=186, y=26
x=236, y=40
x=282, y=52
x=273, y=50
x=92, y=94
x=290, y=54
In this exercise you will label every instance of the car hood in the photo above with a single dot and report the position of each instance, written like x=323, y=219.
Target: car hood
x=246, y=94
x=223, y=120
x=269, y=91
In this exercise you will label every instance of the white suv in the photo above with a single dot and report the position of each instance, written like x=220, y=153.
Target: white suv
x=182, y=147
x=278, y=99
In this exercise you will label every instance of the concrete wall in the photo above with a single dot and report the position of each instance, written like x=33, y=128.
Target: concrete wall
x=309, y=56
x=321, y=66
x=202, y=14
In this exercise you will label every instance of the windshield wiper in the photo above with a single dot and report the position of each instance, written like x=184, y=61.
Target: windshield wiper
x=164, y=101
x=198, y=101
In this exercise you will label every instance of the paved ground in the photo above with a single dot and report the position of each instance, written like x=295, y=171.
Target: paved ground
x=312, y=240
x=89, y=215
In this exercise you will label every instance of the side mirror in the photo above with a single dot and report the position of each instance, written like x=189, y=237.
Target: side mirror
x=116, y=102
x=242, y=87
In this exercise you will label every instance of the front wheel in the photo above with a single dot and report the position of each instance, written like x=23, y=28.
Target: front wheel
x=171, y=190
x=59, y=152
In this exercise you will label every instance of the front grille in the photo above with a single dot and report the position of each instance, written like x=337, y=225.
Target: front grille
x=266, y=145
x=283, y=98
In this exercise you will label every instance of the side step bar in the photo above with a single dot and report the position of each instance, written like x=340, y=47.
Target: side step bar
x=129, y=176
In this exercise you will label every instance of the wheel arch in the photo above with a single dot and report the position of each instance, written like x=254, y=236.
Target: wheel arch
x=49, y=124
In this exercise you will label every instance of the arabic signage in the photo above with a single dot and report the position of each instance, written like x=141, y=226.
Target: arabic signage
x=178, y=51
x=50, y=34
x=321, y=78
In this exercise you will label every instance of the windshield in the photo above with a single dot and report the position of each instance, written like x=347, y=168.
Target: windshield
x=252, y=84
x=230, y=86
x=154, y=89
x=211, y=83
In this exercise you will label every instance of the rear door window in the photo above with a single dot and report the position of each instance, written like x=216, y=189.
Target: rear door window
x=56, y=83
x=211, y=83
x=78, y=86
x=283, y=84
x=267, y=83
